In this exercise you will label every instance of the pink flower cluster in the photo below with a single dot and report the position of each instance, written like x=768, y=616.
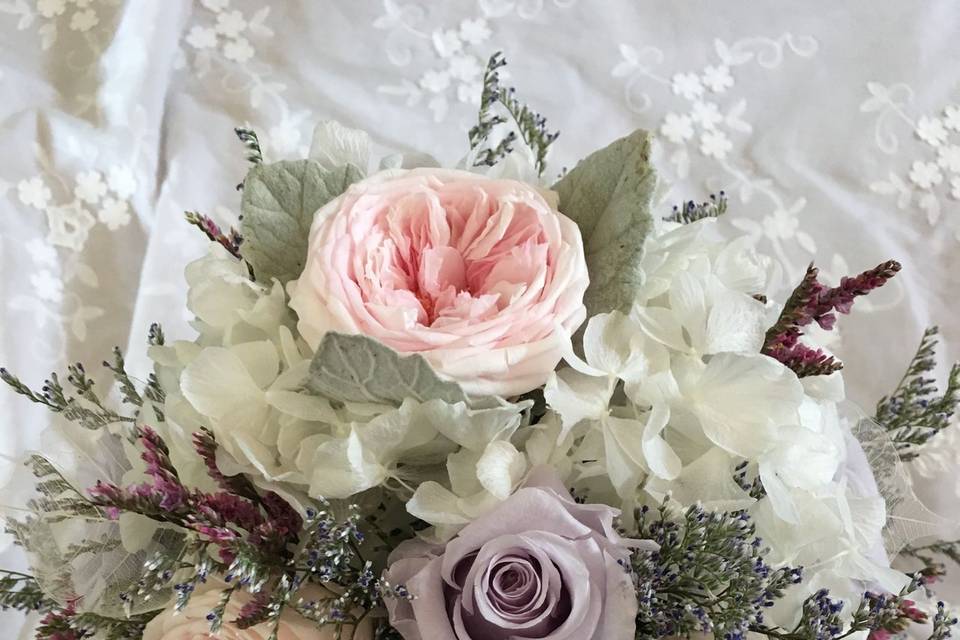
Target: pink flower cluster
x=235, y=513
x=813, y=302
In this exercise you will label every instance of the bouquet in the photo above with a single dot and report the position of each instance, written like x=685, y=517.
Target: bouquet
x=479, y=404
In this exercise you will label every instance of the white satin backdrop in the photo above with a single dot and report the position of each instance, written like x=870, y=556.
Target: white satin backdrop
x=833, y=127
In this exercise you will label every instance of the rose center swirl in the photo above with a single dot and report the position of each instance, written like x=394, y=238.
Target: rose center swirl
x=444, y=259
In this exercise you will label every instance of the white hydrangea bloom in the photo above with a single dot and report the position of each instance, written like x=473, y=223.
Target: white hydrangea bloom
x=673, y=398
x=243, y=378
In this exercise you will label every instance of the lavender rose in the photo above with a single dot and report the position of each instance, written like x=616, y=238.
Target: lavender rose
x=539, y=566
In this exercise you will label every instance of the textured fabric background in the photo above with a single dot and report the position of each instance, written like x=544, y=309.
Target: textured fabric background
x=834, y=128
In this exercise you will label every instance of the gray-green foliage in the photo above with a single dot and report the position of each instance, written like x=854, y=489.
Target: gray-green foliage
x=279, y=202
x=609, y=195
x=352, y=368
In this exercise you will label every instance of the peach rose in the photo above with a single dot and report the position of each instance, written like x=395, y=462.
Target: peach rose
x=192, y=623
x=483, y=277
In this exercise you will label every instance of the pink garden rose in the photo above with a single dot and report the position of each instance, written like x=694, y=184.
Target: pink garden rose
x=192, y=623
x=481, y=276
x=539, y=566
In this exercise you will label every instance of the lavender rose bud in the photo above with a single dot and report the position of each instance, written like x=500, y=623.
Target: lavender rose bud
x=539, y=566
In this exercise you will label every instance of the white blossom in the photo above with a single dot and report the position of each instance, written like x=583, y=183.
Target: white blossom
x=677, y=128
x=121, y=181
x=931, y=130
x=42, y=253
x=84, y=20
x=951, y=117
x=718, y=78
x=239, y=50
x=47, y=286
x=925, y=174
x=446, y=43
x=114, y=213
x=687, y=85
x=51, y=8
x=231, y=24
x=948, y=157
x=90, y=187
x=706, y=114
x=474, y=31
x=34, y=193
x=715, y=144
x=435, y=81
x=465, y=68
x=202, y=37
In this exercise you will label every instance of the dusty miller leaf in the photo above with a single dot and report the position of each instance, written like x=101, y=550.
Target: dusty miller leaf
x=359, y=369
x=609, y=195
x=279, y=202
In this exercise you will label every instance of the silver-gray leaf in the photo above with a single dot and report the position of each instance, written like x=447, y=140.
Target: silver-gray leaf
x=278, y=206
x=609, y=195
x=353, y=368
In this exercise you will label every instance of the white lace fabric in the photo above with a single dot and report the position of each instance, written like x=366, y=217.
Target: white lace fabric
x=833, y=128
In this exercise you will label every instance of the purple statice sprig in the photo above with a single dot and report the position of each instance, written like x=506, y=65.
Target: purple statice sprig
x=812, y=302
x=880, y=614
x=691, y=211
x=229, y=240
x=67, y=622
x=251, y=540
x=223, y=518
x=709, y=574
x=61, y=624
x=205, y=444
x=329, y=554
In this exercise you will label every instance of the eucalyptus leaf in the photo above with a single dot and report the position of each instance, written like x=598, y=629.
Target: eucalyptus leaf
x=353, y=368
x=278, y=206
x=609, y=195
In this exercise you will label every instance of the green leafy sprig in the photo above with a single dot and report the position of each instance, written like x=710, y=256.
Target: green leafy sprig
x=229, y=240
x=915, y=412
x=943, y=623
x=78, y=402
x=252, y=144
x=21, y=592
x=821, y=617
x=531, y=126
x=929, y=554
x=709, y=574
x=128, y=390
x=691, y=211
